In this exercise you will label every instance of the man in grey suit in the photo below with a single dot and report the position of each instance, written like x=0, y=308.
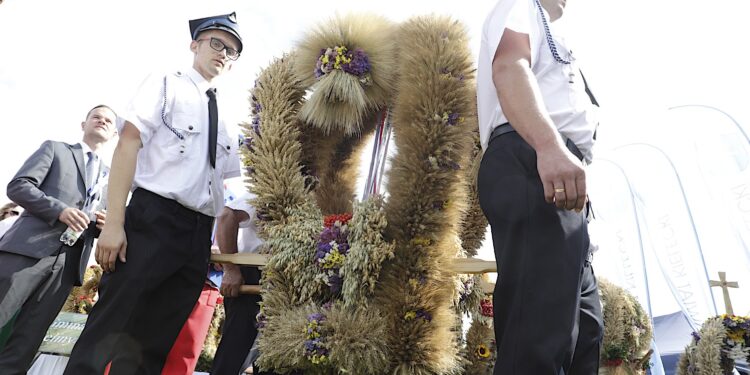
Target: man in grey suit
x=60, y=186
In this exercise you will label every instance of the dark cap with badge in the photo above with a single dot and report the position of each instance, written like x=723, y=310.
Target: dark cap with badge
x=224, y=22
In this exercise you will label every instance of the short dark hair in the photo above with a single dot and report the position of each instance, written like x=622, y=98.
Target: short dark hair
x=100, y=106
x=6, y=210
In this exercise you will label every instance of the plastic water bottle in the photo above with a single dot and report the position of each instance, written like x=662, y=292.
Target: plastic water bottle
x=70, y=236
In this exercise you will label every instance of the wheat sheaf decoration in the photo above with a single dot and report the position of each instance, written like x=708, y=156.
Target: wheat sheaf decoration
x=627, y=332
x=361, y=287
x=82, y=298
x=348, y=61
x=714, y=349
x=434, y=118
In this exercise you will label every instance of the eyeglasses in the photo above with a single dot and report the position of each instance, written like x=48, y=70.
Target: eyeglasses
x=218, y=46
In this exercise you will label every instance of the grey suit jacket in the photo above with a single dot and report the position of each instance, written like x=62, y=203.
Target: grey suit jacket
x=51, y=180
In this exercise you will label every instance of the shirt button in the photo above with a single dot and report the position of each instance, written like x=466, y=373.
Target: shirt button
x=182, y=151
x=190, y=127
x=228, y=147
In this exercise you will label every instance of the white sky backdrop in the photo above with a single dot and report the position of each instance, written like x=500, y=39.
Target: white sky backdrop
x=60, y=58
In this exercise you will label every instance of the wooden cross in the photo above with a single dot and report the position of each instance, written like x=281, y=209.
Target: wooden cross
x=725, y=285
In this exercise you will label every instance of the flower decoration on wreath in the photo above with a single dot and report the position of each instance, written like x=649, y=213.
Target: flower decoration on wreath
x=372, y=276
x=333, y=246
x=721, y=341
x=352, y=60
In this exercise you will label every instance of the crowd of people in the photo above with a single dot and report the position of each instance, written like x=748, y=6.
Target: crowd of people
x=174, y=151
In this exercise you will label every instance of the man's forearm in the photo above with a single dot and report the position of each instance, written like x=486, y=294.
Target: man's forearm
x=523, y=105
x=228, y=225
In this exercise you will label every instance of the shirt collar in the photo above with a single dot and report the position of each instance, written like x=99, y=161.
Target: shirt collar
x=198, y=80
x=86, y=149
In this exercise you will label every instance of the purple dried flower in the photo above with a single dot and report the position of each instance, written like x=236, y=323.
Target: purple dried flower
x=424, y=315
x=343, y=248
x=453, y=118
x=360, y=64
x=311, y=346
x=336, y=282
x=696, y=336
x=329, y=234
x=318, y=317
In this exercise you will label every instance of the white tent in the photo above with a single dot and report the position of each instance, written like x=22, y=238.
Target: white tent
x=673, y=209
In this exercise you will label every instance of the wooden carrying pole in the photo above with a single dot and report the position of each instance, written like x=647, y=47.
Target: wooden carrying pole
x=458, y=265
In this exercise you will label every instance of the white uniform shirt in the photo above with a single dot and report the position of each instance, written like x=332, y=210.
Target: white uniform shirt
x=247, y=238
x=177, y=168
x=567, y=103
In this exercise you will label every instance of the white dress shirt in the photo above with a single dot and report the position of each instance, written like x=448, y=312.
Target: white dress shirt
x=247, y=238
x=6, y=224
x=561, y=85
x=176, y=168
x=95, y=166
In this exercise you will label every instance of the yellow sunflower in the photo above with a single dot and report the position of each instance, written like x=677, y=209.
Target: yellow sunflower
x=483, y=351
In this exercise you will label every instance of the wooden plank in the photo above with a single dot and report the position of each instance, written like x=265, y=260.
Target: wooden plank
x=472, y=265
x=250, y=289
x=458, y=265
x=486, y=286
x=243, y=259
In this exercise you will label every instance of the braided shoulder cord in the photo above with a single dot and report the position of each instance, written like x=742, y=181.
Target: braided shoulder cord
x=164, y=114
x=550, y=41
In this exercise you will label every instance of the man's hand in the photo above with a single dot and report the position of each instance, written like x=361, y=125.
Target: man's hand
x=563, y=178
x=230, y=284
x=101, y=216
x=112, y=244
x=74, y=218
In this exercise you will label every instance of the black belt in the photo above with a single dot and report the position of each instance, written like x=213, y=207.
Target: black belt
x=506, y=128
x=172, y=206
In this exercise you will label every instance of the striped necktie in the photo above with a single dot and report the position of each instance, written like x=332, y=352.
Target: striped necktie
x=91, y=169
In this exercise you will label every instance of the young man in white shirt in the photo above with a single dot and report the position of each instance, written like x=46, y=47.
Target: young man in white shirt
x=174, y=152
x=236, y=232
x=537, y=126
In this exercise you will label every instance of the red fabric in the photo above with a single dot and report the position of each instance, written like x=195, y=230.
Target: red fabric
x=185, y=352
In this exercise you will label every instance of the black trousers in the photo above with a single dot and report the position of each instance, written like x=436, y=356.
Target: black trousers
x=239, y=330
x=37, y=289
x=143, y=304
x=548, y=318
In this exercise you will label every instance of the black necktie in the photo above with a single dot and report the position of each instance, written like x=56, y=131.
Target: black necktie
x=213, y=126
